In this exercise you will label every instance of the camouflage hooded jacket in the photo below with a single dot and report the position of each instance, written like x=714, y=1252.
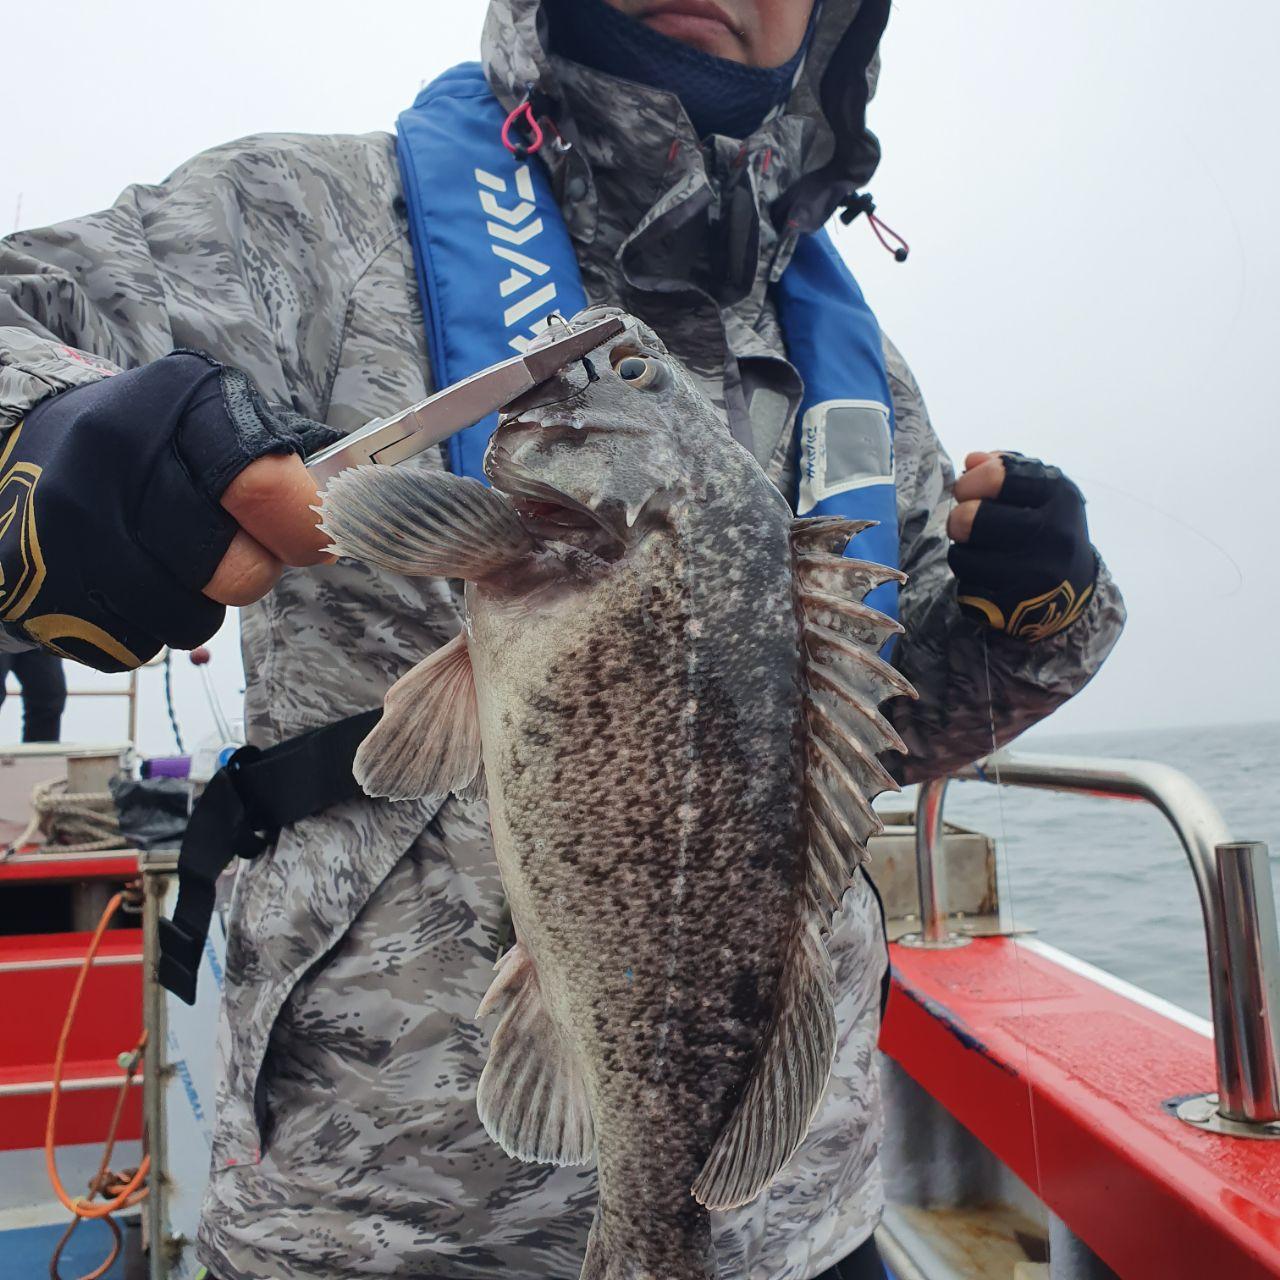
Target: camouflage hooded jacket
x=289, y=256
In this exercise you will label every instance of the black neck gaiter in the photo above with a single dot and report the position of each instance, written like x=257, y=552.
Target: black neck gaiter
x=719, y=96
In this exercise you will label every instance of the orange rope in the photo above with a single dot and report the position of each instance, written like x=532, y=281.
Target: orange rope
x=106, y=1180
x=123, y=1196
x=117, y=1243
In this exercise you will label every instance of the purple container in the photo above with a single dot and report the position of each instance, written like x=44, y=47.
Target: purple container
x=166, y=767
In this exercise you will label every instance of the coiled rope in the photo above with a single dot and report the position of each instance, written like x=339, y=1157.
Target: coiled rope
x=70, y=821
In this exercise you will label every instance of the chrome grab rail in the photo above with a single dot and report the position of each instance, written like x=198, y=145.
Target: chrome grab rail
x=1236, y=900
x=931, y=873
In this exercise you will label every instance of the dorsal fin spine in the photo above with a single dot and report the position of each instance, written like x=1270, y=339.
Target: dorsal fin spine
x=878, y=772
x=847, y=565
x=829, y=810
x=848, y=783
x=873, y=619
x=847, y=649
x=831, y=534
x=846, y=698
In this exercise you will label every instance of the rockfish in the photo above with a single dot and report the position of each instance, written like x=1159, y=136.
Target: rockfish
x=669, y=687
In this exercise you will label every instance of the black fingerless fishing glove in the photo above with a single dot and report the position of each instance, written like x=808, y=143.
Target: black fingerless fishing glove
x=1028, y=568
x=109, y=516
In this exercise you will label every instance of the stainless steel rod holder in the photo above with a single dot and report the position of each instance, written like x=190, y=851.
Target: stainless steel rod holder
x=931, y=871
x=930, y=867
x=1253, y=961
x=1238, y=908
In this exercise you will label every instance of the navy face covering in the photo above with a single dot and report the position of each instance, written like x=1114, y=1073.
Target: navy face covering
x=720, y=96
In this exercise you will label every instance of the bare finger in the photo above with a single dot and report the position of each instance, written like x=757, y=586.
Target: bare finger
x=272, y=501
x=245, y=574
x=960, y=521
x=984, y=481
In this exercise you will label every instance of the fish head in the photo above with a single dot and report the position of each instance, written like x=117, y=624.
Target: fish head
x=600, y=454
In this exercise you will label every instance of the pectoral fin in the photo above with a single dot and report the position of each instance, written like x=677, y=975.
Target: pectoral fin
x=422, y=523
x=532, y=1097
x=428, y=740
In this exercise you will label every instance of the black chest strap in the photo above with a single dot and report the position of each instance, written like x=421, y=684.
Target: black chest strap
x=240, y=813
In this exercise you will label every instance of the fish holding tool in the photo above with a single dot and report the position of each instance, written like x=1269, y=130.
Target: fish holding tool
x=387, y=441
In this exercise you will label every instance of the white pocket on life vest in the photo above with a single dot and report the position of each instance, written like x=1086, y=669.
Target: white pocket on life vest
x=844, y=444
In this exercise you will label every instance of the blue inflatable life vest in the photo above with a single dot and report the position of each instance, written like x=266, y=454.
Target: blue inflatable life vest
x=494, y=262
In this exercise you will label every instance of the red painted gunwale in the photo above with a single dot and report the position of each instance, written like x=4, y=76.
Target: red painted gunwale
x=121, y=864
x=997, y=1033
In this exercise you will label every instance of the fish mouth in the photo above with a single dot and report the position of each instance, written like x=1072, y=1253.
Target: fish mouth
x=549, y=513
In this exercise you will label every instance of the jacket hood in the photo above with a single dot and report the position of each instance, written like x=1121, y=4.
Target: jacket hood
x=820, y=131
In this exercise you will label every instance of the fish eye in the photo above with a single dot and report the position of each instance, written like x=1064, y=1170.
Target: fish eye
x=641, y=371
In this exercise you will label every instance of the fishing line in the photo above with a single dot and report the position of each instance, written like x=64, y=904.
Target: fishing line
x=1181, y=522
x=1013, y=923
x=510, y=415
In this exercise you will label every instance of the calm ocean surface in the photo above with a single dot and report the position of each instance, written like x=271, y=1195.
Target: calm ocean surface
x=1107, y=880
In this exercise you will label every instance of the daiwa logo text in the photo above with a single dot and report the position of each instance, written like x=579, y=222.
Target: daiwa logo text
x=513, y=232
x=809, y=446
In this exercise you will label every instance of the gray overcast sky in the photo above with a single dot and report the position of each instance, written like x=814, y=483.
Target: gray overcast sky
x=1090, y=191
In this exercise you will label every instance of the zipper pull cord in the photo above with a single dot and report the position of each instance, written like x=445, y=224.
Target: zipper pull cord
x=523, y=114
x=865, y=204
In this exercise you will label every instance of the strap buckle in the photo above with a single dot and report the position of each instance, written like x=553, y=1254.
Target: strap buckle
x=222, y=826
x=179, y=961
x=243, y=809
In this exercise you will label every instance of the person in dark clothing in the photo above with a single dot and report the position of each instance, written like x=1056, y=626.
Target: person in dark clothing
x=44, y=692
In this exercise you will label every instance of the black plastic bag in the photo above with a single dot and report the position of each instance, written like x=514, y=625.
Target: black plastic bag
x=153, y=811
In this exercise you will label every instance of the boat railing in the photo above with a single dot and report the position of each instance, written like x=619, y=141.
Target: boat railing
x=127, y=691
x=1233, y=879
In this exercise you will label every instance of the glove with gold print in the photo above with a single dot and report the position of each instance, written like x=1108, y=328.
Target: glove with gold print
x=110, y=521
x=1021, y=555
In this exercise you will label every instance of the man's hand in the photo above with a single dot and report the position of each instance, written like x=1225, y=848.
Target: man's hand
x=134, y=508
x=1021, y=554
x=271, y=500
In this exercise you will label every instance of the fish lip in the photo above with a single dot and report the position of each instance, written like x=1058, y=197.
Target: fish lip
x=527, y=493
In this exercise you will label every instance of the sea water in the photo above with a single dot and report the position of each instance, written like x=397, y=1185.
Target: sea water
x=1107, y=880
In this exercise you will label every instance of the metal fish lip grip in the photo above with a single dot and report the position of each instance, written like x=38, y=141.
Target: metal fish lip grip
x=387, y=441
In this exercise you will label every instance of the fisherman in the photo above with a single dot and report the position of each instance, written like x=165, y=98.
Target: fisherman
x=687, y=143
